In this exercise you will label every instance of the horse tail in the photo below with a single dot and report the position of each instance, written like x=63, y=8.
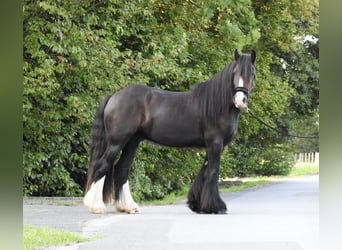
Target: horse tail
x=98, y=142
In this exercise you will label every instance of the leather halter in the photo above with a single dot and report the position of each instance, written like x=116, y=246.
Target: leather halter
x=242, y=89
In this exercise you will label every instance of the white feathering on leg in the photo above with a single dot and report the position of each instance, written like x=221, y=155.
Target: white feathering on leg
x=94, y=198
x=126, y=202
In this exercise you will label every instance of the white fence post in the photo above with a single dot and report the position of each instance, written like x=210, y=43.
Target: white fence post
x=316, y=162
x=307, y=158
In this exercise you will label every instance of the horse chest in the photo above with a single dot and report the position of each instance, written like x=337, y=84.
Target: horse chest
x=228, y=128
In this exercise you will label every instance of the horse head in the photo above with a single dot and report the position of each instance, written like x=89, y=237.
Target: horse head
x=243, y=78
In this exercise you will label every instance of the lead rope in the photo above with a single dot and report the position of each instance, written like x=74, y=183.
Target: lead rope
x=279, y=131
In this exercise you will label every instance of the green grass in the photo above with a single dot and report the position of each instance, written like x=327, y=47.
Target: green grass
x=246, y=185
x=42, y=237
x=304, y=170
x=170, y=198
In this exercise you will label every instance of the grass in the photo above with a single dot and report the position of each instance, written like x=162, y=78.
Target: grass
x=303, y=170
x=41, y=237
x=245, y=185
x=170, y=198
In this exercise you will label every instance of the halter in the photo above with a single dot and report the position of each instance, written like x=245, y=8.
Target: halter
x=242, y=89
x=237, y=89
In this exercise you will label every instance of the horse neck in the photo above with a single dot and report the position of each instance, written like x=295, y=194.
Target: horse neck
x=214, y=97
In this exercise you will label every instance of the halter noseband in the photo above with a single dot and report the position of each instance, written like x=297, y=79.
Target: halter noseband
x=242, y=89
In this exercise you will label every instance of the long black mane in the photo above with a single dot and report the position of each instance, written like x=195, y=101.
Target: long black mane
x=215, y=95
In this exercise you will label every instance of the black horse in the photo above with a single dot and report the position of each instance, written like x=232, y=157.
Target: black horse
x=205, y=116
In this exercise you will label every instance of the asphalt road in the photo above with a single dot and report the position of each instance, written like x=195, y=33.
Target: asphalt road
x=278, y=216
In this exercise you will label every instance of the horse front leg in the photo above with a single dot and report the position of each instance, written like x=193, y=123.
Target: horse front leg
x=194, y=195
x=210, y=201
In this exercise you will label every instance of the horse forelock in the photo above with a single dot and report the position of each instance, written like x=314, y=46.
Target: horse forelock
x=246, y=68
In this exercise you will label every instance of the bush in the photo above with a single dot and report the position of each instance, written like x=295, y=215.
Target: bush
x=158, y=171
x=76, y=52
x=248, y=160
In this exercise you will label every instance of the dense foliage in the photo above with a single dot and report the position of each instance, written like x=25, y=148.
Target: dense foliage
x=75, y=52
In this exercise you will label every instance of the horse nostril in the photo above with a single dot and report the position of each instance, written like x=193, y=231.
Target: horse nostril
x=244, y=100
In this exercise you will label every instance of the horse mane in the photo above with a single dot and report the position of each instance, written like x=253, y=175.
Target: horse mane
x=215, y=95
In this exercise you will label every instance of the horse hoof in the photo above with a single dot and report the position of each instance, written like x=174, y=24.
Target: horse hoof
x=133, y=211
x=223, y=211
x=97, y=210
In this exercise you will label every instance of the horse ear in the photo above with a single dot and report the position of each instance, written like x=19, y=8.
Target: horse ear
x=253, y=56
x=236, y=55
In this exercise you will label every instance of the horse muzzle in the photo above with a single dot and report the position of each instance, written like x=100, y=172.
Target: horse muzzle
x=240, y=98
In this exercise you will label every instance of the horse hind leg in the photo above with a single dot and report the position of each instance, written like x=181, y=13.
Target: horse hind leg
x=94, y=198
x=123, y=198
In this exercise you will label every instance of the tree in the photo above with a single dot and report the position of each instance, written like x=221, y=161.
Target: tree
x=286, y=93
x=76, y=52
